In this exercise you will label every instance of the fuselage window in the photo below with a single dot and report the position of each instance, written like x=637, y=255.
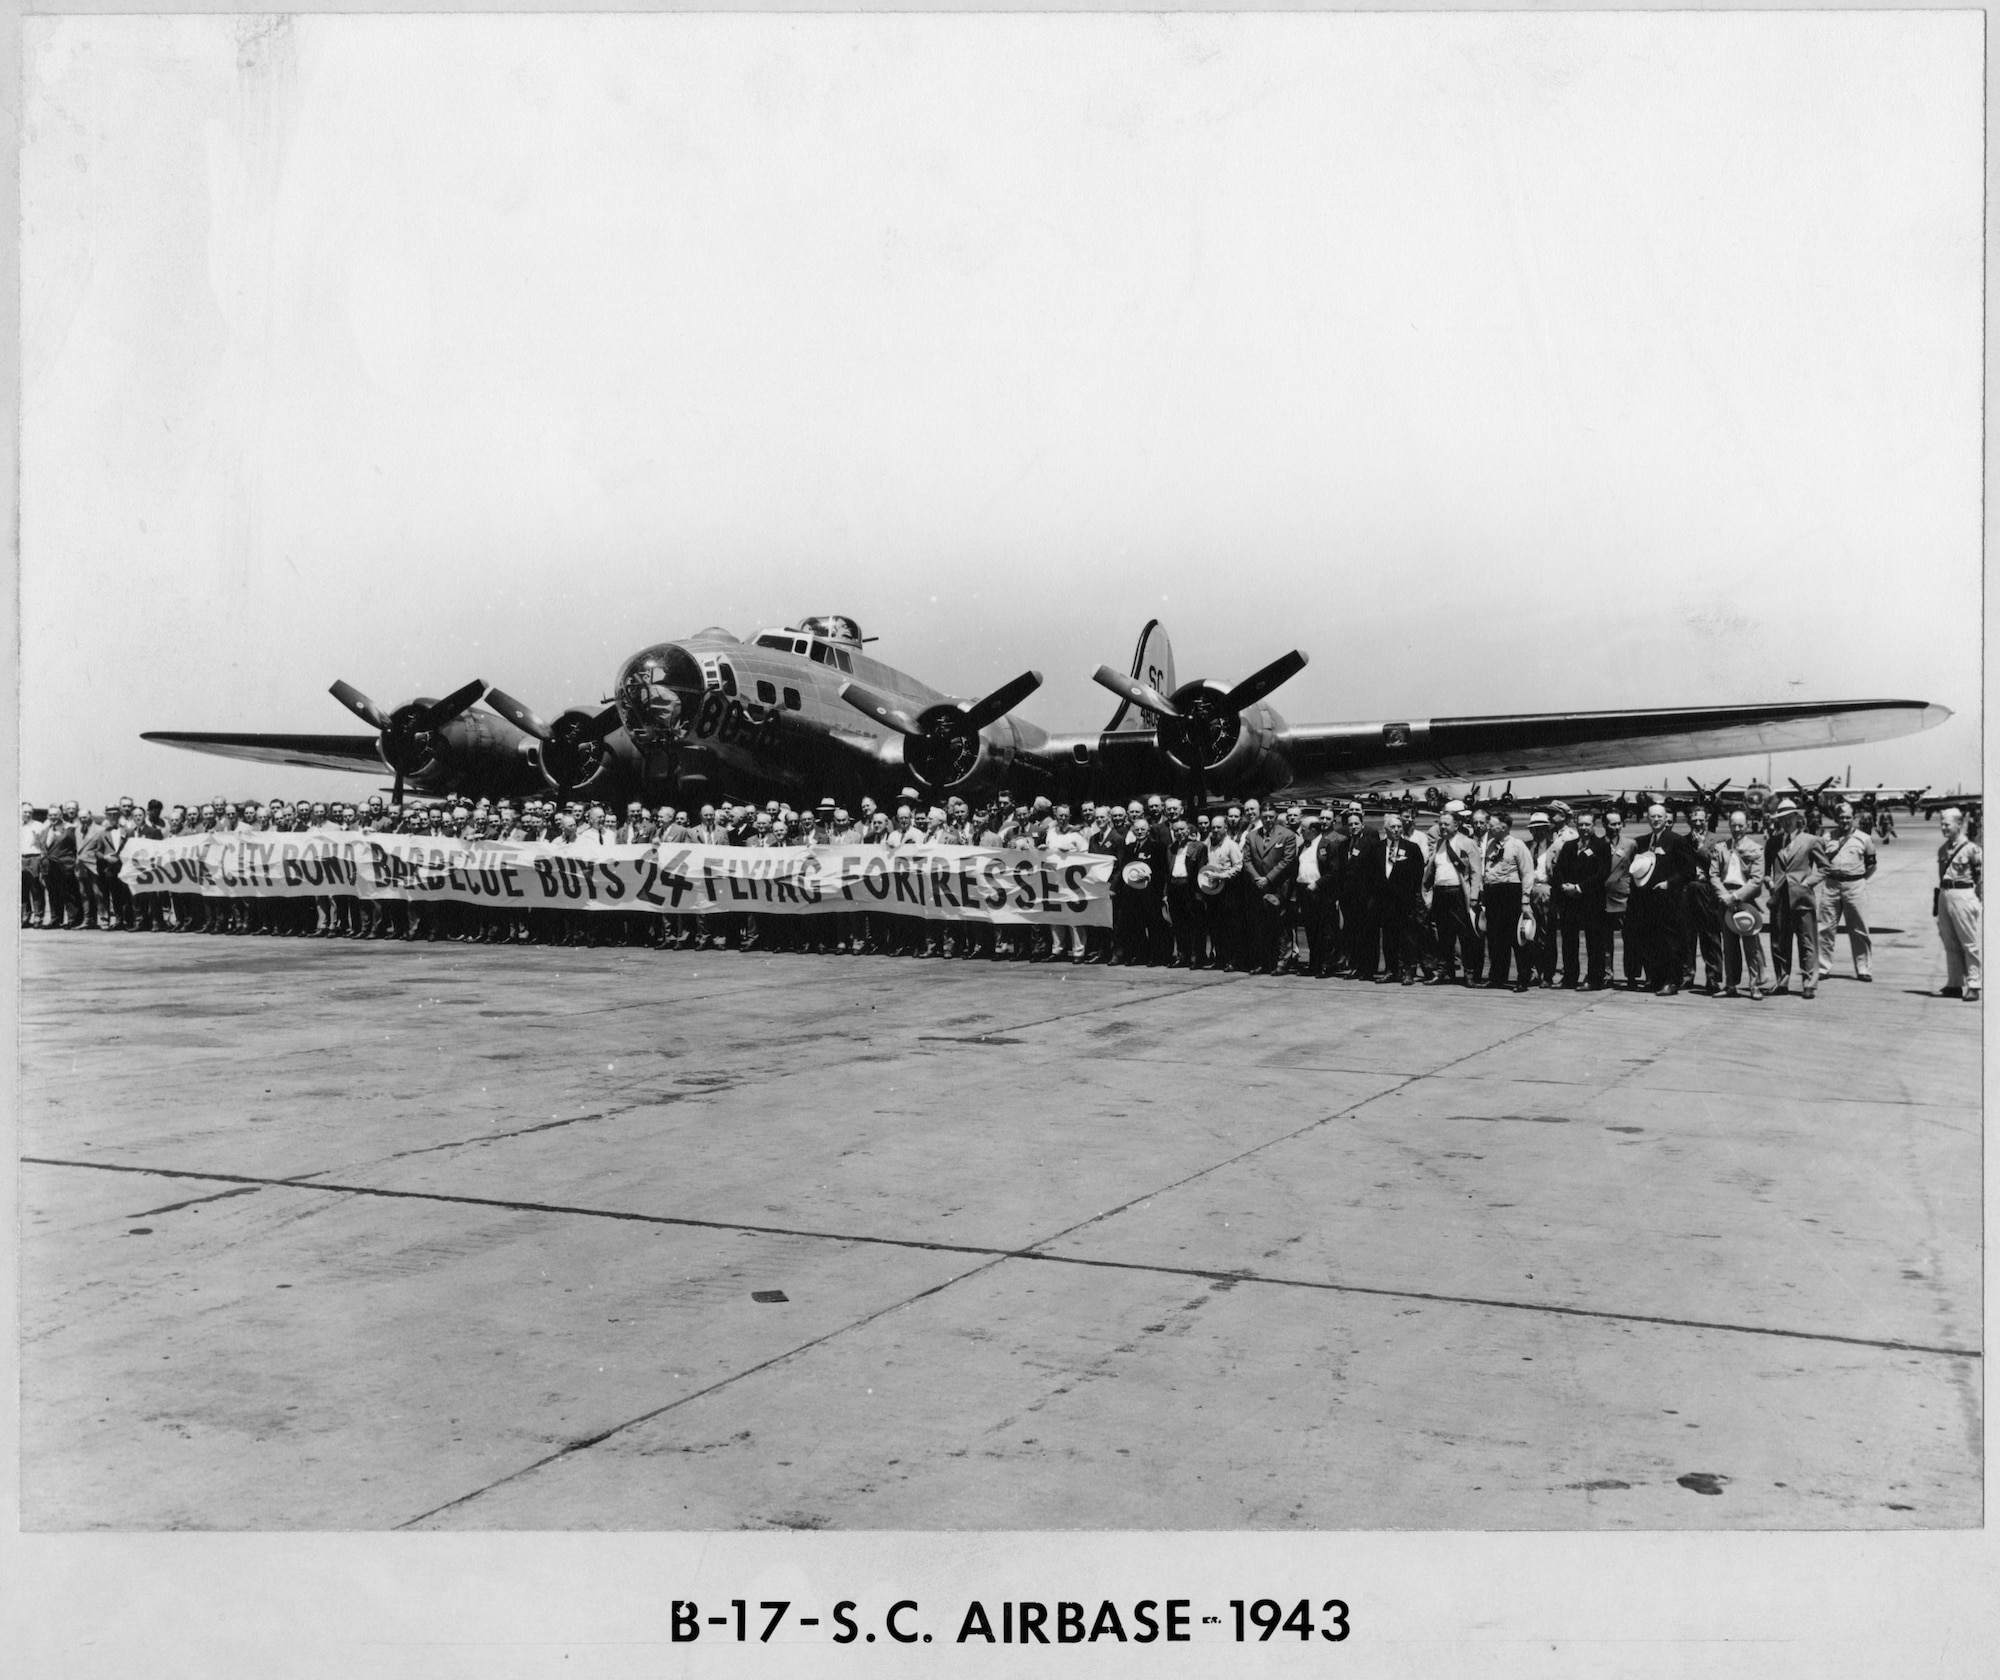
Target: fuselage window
x=792, y=699
x=767, y=692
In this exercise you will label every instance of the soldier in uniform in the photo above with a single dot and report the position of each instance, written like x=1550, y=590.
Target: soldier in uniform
x=1961, y=891
x=1850, y=865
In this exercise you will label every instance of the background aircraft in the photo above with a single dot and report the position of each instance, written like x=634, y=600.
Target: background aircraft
x=805, y=712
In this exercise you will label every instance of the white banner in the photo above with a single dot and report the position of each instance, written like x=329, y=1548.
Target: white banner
x=932, y=883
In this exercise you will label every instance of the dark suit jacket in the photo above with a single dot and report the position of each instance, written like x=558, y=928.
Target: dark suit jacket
x=1400, y=864
x=1361, y=875
x=1676, y=865
x=1585, y=861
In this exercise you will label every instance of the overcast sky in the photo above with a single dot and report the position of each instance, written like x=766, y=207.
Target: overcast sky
x=1499, y=362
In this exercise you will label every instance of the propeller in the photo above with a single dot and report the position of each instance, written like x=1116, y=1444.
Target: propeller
x=567, y=744
x=1143, y=695
x=406, y=731
x=1710, y=797
x=944, y=739
x=1204, y=720
x=880, y=707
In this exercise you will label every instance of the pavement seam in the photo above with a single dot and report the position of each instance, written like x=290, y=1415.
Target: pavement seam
x=585, y=1443
x=1401, y=1085
x=995, y=1255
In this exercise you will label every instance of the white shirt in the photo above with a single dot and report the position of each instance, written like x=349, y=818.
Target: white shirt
x=1309, y=862
x=1063, y=840
x=32, y=836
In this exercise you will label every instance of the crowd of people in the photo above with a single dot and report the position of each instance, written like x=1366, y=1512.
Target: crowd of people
x=1564, y=899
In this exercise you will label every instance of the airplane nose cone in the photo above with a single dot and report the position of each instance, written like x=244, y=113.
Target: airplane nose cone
x=650, y=694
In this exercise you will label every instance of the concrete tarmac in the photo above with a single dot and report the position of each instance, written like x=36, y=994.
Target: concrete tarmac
x=343, y=1235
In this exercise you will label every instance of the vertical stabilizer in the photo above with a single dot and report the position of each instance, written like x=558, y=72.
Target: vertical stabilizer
x=1153, y=664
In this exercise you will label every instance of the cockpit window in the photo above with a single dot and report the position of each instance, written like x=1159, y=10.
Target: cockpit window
x=845, y=658
x=728, y=676
x=782, y=643
x=820, y=653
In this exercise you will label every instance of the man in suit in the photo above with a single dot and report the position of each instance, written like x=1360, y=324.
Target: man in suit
x=1187, y=851
x=1135, y=906
x=1655, y=917
x=1225, y=863
x=1316, y=888
x=1402, y=902
x=1361, y=895
x=1580, y=875
x=1506, y=869
x=1736, y=881
x=1702, y=909
x=1618, y=896
x=1794, y=863
x=1270, y=860
x=1452, y=875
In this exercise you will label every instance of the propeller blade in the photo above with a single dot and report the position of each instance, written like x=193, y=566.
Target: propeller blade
x=359, y=704
x=437, y=716
x=396, y=792
x=520, y=716
x=1002, y=700
x=602, y=725
x=880, y=707
x=1260, y=683
x=1140, y=694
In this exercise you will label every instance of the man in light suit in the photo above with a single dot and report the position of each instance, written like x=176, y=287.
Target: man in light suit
x=1735, y=866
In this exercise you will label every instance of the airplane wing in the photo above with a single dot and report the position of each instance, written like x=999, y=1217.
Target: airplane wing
x=1350, y=757
x=308, y=752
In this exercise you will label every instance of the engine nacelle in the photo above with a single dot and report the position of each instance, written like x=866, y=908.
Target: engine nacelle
x=474, y=753
x=1234, y=753
x=951, y=757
